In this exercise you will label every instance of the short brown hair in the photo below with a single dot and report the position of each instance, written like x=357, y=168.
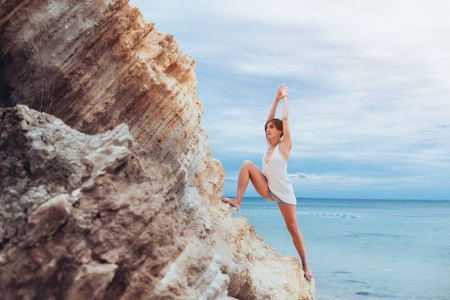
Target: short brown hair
x=278, y=124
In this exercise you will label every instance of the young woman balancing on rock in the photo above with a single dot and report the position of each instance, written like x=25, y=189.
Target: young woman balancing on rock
x=273, y=183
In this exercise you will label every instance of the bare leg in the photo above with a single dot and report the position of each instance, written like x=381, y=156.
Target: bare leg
x=288, y=212
x=248, y=171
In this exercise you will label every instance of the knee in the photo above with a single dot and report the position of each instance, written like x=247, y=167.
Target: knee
x=247, y=164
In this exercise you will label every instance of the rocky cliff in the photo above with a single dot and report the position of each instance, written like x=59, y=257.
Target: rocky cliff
x=85, y=217
x=96, y=65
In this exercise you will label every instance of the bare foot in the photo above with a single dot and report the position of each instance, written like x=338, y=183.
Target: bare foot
x=308, y=273
x=233, y=202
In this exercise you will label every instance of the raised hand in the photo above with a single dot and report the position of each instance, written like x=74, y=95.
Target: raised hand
x=282, y=91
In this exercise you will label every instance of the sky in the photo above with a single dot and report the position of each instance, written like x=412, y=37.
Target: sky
x=369, y=89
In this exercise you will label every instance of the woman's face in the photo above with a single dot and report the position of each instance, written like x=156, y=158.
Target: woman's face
x=272, y=131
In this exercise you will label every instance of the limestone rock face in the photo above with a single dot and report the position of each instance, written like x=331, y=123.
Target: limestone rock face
x=115, y=215
x=97, y=64
x=85, y=217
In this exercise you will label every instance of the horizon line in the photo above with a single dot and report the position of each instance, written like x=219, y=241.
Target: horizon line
x=340, y=198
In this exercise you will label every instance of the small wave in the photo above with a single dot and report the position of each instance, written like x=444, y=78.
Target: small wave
x=369, y=294
x=321, y=215
x=341, y=272
x=260, y=210
x=342, y=216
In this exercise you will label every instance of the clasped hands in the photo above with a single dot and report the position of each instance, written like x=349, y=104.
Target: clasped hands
x=281, y=93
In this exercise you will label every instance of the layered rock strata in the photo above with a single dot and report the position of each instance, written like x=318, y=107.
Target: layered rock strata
x=96, y=65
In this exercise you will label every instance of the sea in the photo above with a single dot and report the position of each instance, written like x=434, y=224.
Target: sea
x=365, y=249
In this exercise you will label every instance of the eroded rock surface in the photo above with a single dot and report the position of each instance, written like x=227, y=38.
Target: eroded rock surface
x=85, y=217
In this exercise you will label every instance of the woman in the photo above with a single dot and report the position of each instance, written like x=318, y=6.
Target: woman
x=273, y=183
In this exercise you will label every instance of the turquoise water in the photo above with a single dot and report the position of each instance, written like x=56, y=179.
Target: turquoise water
x=365, y=249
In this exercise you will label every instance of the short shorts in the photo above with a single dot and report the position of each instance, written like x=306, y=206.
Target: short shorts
x=271, y=197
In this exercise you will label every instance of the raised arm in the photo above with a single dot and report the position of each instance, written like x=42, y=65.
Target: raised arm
x=286, y=130
x=286, y=143
x=273, y=108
